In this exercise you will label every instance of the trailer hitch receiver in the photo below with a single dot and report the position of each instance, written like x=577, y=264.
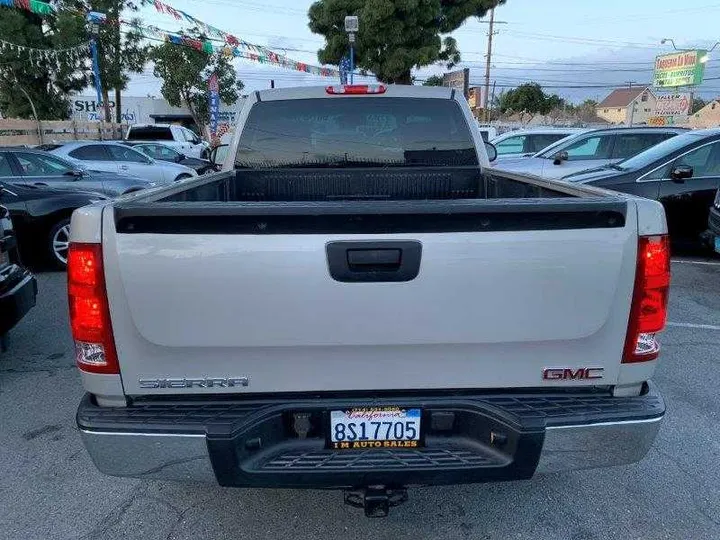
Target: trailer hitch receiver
x=376, y=500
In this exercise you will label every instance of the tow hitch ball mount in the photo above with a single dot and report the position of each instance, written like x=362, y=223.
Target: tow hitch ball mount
x=376, y=500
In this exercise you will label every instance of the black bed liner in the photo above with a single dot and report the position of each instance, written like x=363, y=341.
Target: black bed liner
x=366, y=201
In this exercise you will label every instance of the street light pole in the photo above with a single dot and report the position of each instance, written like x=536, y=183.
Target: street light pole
x=94, y=19
x=352, y=25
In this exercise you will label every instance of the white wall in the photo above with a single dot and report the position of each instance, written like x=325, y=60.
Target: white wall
x=137, y=110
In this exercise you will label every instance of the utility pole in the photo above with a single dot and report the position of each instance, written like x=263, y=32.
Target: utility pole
x=491, y=32
x=486, y=96
x=492, y=97
x=632, y=103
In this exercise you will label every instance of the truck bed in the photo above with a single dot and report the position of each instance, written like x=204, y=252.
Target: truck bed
x=526, y=273
x=357, y=184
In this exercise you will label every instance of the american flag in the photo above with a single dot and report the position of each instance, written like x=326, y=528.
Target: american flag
x=221, y=130
x=344, y=69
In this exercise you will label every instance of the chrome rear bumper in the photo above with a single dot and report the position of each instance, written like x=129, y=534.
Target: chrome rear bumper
x=547, y=446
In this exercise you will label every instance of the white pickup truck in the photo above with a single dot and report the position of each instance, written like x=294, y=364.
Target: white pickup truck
x=358, y=302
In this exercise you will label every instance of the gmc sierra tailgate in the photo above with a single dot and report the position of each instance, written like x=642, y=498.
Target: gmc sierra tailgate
x=262, y=297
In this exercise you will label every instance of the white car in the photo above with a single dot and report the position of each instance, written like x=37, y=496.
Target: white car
x=526, y=142
x=180, y=138
x=118, y=158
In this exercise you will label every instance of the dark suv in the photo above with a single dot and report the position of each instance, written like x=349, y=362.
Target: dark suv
x=18, y=287
x=714, y=223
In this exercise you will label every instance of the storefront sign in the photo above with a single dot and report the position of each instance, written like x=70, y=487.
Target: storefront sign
x=673, y=104
x=684, y=68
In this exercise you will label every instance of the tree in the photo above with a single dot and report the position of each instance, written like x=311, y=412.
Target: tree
x=697, y=104
x=587, y=111
x=395, y=35
x=46, y=82
x=530, y=98
x=185, y=72
x=433, y=80
x=121, y=48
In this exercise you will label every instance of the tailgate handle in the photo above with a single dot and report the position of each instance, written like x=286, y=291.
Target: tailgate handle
x=389, y=261
x=373, y=259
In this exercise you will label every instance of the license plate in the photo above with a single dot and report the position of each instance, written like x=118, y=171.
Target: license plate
x=717, y=244
x=375, y=427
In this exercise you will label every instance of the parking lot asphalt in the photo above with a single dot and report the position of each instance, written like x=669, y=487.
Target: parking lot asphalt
x=50, y=489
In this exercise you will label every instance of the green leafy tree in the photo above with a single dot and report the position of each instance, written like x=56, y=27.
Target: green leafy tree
x=433, y=80
x=122, y=50
x=395, y=35
x=46, y=82
x=185, y=72
x=529, y=98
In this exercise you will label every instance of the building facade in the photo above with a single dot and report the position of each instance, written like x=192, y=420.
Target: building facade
x=707, y=117
x=628, y=106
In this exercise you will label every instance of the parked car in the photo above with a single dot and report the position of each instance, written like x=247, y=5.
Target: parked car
x=41, y=216
x=18, y=287
x=351, y=333
x=119, y=158
x=589, y=149
x=683, y=173
x=714, y=222
x=180, y=138
x=35, y=167
x=527, y=142
x=487, y=132
x=163, y=152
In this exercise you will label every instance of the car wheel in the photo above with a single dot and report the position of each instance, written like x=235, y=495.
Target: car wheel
x=182, y=177
x=59, y=243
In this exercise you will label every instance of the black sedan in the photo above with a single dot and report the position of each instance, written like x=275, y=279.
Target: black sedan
x=165, y=153
x=41, y=217
x=683, y=173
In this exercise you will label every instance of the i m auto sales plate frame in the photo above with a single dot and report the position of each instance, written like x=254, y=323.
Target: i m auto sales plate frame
x=375, y=427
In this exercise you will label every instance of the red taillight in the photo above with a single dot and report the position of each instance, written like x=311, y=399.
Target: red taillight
x=356, y=89
x=89, y=311
x=650, y=298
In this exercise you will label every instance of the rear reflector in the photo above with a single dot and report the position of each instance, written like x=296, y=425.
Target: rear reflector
x=89, y=310
x=356, y=89
x=650, y=297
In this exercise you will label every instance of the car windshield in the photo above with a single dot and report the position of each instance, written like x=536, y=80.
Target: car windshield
x=356, y=132
x=660, y=150
x=551, y=150
x=150, y=133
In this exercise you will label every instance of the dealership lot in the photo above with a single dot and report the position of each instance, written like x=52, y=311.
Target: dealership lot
x=50, y=489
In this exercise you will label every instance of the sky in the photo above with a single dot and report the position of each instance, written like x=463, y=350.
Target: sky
x=561, y=44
